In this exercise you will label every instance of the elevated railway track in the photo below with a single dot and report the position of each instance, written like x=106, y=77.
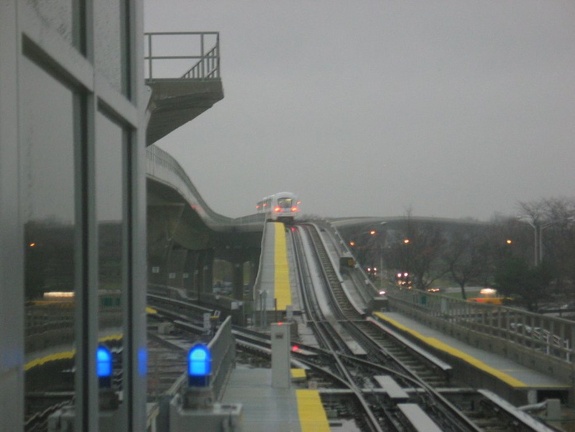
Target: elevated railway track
x=417, y=376
x=370, y=377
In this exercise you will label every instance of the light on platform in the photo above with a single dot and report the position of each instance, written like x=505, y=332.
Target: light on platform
x=104, y=366
x=199, y=365
x=103, y=362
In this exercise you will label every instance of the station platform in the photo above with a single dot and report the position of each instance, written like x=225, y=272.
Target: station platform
x=265, y=408
x=276, y=278
x=516, y=383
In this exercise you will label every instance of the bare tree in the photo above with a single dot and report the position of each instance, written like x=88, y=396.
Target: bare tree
x=467, y=256
x=509, y=236
x=418, y=251
x=515, y=278
x=552, y=223
x=558, y=241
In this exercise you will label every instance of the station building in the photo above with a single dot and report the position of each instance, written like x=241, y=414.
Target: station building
x=72, y=195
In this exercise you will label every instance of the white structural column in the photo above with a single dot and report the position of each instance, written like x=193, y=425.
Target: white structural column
x=280, y=334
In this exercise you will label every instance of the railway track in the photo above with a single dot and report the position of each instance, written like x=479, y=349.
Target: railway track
x=418, y=374
x=378, y=385
x=341, y=401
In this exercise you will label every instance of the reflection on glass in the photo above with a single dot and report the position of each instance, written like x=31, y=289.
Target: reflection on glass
x=47, y=154
x=62, y=15
x=109, y=155
x=110, y=42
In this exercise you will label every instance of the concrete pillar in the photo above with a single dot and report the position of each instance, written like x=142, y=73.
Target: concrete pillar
x=252, y=263
x=238, y=281
x=206, y=271
x=175, y=266
x=189, y=271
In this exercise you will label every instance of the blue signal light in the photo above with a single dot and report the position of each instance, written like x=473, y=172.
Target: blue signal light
x=103, y=362
x=199, y=365
x=104, y=366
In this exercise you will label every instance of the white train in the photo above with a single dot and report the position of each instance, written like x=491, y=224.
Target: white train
x=282, y=207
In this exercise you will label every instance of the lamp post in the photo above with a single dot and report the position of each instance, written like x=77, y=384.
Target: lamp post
x=538, y=228
x=381, y=240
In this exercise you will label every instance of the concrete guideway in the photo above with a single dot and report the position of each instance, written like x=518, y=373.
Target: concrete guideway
x=274, y=285
x=282, y=285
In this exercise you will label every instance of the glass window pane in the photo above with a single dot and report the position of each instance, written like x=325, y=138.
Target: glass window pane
x=109, y=155
x=110, y=42
x=48, y=194
x=64, y=16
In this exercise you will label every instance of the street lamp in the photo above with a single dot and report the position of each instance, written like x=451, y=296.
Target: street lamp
x=373, y=232
x=404, y=277
x=538, y=228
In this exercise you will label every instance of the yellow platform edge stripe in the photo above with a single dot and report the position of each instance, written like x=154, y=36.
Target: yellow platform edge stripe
x=64, y=355
x=281, y=273
x=298, y=373
x=513, y=382
x=312, y=416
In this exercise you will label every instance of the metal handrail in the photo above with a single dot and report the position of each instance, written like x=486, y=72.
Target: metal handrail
x=162, y=167
x=207, y=68
x=550, y=336
x=207, y=64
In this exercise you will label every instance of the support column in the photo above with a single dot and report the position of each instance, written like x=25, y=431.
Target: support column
x=189, y=276
x=176, y=265
x=238, y=281
x=254, y=265
x=206, y=272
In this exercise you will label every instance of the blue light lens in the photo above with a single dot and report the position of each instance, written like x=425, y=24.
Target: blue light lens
x=103, y=362
x=199, y=361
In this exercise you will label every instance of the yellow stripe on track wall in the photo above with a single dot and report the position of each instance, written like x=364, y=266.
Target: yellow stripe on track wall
x=282, y=287
x=65, y=355
x=312, y=416
x=513, y=382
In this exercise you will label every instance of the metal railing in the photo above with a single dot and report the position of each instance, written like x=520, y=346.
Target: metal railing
x=162, y=167
x=223, y=348
x=204, y=48
x=552, y=337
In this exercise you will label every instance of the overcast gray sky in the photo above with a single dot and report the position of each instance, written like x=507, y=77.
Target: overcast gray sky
x=370, y=108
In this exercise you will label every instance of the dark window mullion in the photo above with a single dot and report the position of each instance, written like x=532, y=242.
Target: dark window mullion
x=87, y=286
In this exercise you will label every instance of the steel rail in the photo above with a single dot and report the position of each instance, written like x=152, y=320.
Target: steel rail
x=350, y=316
x=326, y=334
